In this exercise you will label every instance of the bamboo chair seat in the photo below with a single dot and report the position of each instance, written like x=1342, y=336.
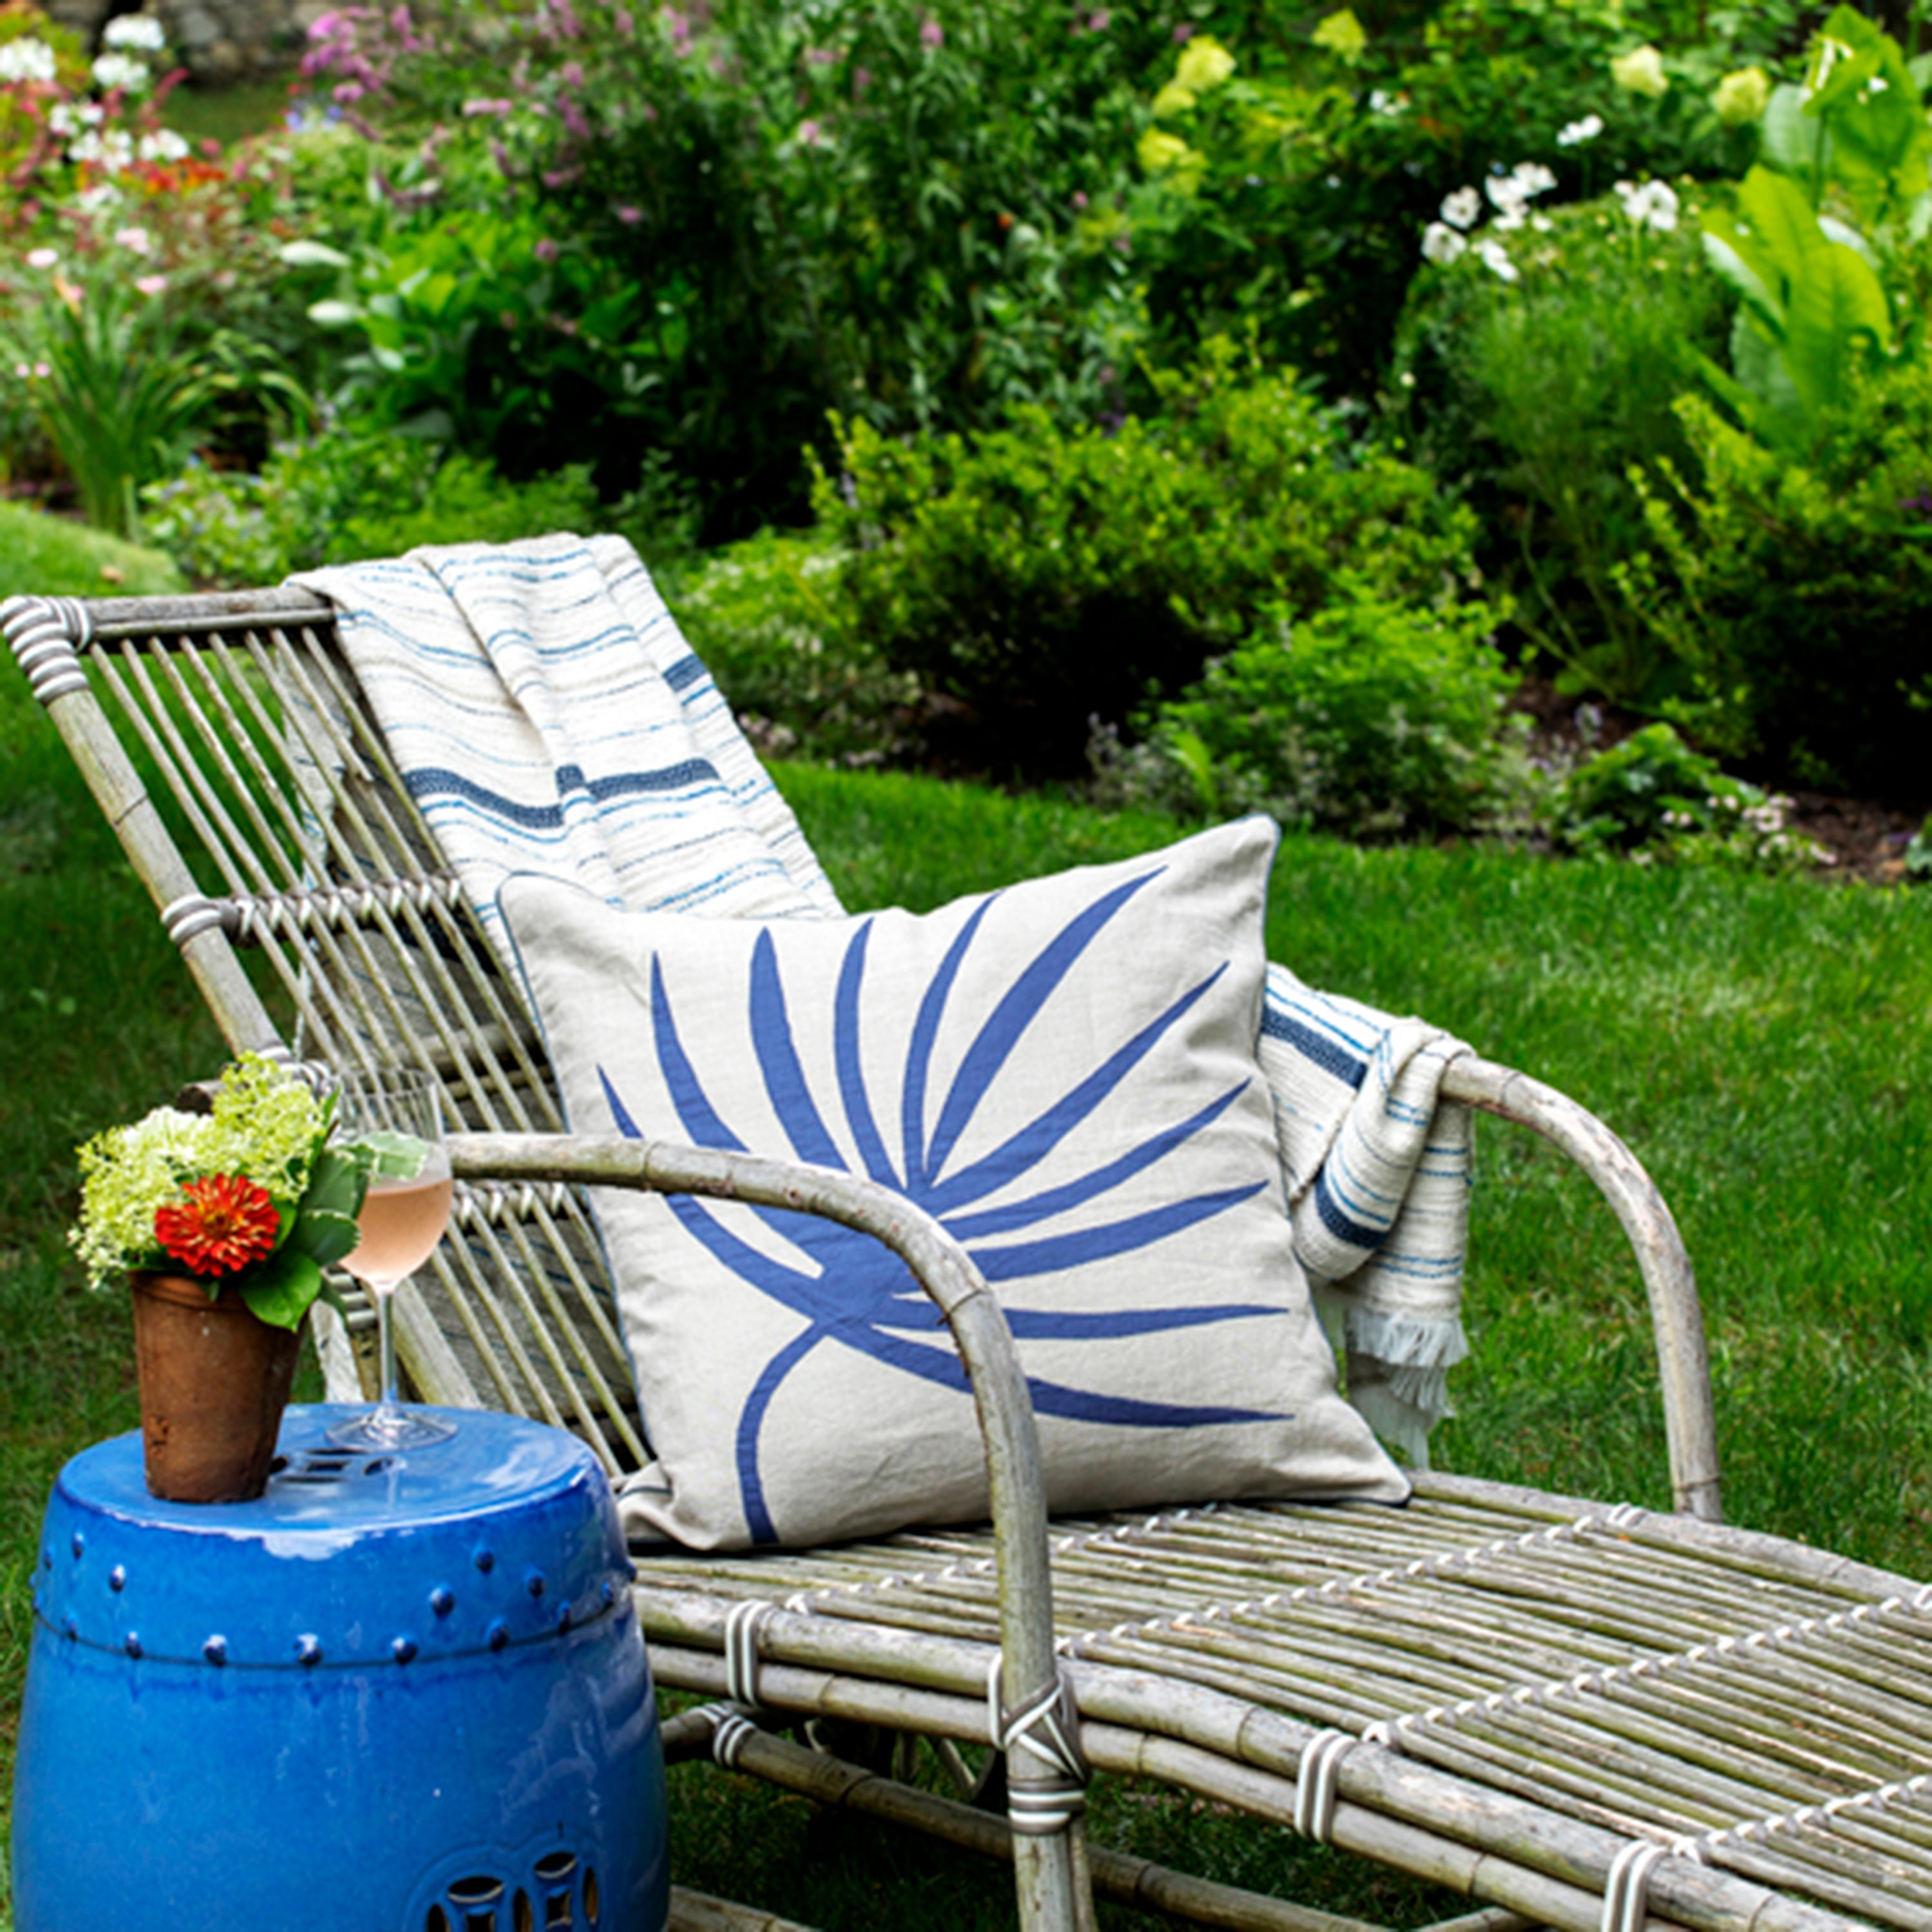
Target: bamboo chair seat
x=1582, y=1715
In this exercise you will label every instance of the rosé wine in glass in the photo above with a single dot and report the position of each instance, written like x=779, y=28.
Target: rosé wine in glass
x=395, y=1115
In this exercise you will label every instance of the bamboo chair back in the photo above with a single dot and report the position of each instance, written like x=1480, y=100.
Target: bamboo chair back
x=227, y=742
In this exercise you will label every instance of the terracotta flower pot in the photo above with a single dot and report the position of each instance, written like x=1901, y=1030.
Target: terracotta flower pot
x=214, y=1379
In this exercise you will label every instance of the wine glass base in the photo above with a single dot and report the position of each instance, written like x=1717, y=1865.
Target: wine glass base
x=382, y=1429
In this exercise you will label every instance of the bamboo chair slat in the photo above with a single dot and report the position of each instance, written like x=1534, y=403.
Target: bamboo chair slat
x=1505, y=1691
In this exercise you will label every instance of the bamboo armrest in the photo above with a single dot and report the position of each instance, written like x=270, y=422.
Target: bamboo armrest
x=1677, y=1319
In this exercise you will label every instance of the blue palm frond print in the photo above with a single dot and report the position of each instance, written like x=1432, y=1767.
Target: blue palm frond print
x=849, y=1290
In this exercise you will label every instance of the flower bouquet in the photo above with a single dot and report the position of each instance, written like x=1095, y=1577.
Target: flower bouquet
x=223, y=1224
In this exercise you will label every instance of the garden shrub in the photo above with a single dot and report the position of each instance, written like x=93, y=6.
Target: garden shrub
x=1535, y=396
x=1799, y=593
x=1652, y=796
x=1368, y=717
x=1042, y=576
x=356, y=493
x=1290, y=194
x=763, y=615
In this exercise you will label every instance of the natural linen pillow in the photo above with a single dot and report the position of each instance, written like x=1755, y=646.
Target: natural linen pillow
x=1064, y=1073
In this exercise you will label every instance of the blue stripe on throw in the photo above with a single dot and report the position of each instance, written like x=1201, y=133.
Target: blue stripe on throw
x=686, y=671
x=1310, y=1044
x=432, y=781
x=1338, y=1225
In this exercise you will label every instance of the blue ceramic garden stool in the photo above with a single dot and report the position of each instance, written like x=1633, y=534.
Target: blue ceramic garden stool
x=394, y=1695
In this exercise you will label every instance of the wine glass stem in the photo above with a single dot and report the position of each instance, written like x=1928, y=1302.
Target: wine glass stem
x=383, y=1293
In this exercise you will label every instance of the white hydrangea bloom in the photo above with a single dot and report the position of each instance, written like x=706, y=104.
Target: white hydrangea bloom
x=1442, y=244
x=25, y=59
x=122, y=71
x=135, y=30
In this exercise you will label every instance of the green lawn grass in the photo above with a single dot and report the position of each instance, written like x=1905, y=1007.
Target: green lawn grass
x=1762, y=1045
x=52, y=556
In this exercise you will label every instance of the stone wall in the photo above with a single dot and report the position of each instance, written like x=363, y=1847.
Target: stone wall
x=215, y=40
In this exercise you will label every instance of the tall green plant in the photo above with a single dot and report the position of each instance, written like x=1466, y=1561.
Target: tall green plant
x=1849, y=146
x=118, y=387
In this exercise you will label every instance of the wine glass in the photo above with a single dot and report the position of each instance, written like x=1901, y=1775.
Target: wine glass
x=401, y=1221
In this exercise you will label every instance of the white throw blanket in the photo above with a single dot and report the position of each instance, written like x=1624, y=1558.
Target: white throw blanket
x=547, y=715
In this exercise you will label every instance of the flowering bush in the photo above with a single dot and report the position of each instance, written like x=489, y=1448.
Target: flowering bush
x=1653, y=797
x=1536, y=393
x=252, y=1196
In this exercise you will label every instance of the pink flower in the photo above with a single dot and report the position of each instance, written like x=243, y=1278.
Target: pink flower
x=931, y=33
x=135, y=241
x=562, y=177
x=151, y=286
x=472, y=108
x=1098, y=23
x=1079, y=197
x=626, y=27
x=629, y=216
x=1185, y=31
x=862, y=78
x=809, y=133
x=572, y=73
x=546, y=250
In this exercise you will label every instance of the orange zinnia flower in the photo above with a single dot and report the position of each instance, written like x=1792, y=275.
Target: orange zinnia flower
x=227, y=1222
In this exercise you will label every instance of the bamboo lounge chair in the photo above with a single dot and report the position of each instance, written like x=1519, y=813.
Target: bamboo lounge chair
x=1578, y=1715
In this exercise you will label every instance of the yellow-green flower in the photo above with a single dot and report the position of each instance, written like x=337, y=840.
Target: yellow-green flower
x=1742, y=96
x=1203, y=65
x=1163, y=154
x=1342, y=33
x=1173, y=99
x=1641, y=71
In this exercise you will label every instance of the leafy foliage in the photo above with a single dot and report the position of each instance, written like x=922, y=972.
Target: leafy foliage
x=349, y=495
x=1653, y=796
x=1369, y=717
x=1042, y=577
x=1798, y=594
x=1535, y=396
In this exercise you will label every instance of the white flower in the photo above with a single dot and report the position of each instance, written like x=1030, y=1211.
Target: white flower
x=1508, y=221
x=1462, y=209
x=1532, y=179
x=1442, y=244
x=135, y=241
x=163, y=144
x=1652, y=204
x=122, y=71
x=26, y=59
x=42, y=258
x=1575, y=133
x=111, y=148
x=135, y=30
x=1506, y=192
x=1381, y=101
x=1495, y=259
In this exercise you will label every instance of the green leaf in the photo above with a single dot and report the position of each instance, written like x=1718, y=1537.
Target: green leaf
x=279, y=1289
x=1781, y=220
x=324, y=1234
x=338, y=1181
x=1836, y=311
x=1788, y=137
x=393, y=1156
x=307, y=254
x=1734, y=256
